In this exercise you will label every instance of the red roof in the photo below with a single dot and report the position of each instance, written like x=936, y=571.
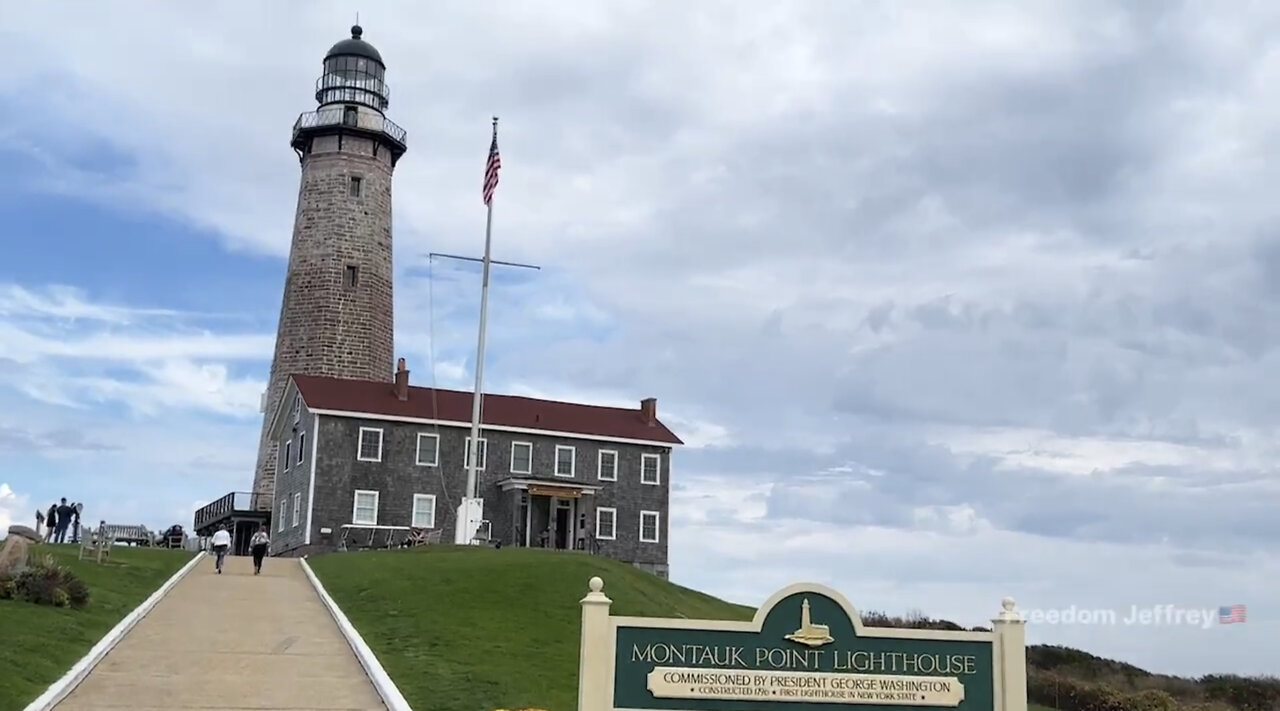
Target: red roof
x=379, y=398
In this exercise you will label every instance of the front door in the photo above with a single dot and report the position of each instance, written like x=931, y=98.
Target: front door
x=564, y=523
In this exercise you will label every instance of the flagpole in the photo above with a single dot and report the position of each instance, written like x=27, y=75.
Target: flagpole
x=471, y=511
x=473, y=457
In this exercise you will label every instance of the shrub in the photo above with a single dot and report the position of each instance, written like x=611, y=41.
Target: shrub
x=913, y=620
x=47, y=583
x=8, y=587
x=1247, y=693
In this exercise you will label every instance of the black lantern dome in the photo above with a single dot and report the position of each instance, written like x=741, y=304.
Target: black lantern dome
x=354, y=74
x=355, y=47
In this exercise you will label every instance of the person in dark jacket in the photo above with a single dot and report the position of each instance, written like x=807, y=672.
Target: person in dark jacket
x=50, y=522
x=64, y=521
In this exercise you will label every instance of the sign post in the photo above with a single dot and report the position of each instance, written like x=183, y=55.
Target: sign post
x=805, y=650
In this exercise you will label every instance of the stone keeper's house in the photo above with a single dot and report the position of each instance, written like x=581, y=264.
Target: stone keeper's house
x=365, y=460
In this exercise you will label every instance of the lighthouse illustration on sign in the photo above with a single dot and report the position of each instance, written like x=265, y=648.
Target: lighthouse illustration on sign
x=810, y=634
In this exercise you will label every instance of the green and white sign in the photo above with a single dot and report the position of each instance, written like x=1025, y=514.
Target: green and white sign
x=805, y=649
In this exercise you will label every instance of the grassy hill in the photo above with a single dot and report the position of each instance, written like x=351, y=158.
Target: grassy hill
x=44, y=642
x=467, y=629
x=461, y=629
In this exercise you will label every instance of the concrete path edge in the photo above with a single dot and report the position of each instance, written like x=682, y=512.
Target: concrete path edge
x=382, y=682
x=61, y=688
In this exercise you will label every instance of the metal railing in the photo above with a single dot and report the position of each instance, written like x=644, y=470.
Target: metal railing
x=235, y=501
x=339, y=116
x=372, y=85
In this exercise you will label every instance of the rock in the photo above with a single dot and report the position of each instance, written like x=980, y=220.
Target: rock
x=14, y=555
x=26, y=532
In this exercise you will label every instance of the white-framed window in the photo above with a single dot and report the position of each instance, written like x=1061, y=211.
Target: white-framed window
x=297, y=407
x=651, y=469
x=284, y=507
x=482, y=454
x=565, y=456
x=424, y=511
x=606, y=523
x=370, y=447
x=522, y=457
x=302, y=446
x=650, y=526
x=297, y=508
x=607, y=465
x=364, y=507
x=428, y=449
x=288, y=454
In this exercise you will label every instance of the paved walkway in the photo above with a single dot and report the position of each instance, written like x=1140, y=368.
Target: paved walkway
x=229, y=642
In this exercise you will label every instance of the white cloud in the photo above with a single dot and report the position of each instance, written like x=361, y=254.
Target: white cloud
x=169, y=386
x=66, y=302
x=742, y=555
x=1041, y=449
x=13, y=508
x=67, y=349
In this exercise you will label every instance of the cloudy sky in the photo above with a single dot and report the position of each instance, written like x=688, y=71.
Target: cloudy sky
x=952, y=301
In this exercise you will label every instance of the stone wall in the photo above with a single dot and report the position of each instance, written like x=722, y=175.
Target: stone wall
x=336, y=313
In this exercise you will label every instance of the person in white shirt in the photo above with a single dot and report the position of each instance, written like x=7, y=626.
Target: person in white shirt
x=221, y=544
x=258, y=544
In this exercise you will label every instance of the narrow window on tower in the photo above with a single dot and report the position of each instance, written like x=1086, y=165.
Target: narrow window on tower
x=349, y=115
x=355, y=186
x=352, y=278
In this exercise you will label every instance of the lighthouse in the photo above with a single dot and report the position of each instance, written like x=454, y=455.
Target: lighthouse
x=336, y=312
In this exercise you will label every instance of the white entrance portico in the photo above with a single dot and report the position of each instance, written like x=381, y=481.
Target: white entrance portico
x=550, y=514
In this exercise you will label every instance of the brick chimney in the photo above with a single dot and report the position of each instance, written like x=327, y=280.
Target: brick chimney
x=402, y=380
x=649, y=411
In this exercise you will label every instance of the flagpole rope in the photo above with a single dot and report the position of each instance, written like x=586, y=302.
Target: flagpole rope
x=431, y=363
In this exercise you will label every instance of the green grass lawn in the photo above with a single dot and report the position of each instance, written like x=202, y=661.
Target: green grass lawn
x=466, y=629
x=44, y=642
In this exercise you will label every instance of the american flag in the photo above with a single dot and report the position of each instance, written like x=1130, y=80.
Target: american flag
x=1229, y=614
x=491, y=169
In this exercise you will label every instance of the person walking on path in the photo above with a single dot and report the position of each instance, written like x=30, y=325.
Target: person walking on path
x=221, y=544
x=258, y=544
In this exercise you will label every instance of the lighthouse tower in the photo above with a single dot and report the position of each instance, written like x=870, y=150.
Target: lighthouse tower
x=336, y=317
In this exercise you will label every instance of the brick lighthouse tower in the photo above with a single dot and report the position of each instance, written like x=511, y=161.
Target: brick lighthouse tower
x=336, y=315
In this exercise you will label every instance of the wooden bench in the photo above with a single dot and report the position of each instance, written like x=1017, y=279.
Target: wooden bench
x=132, y=534
x=422, y=537
x=363, y=537
x=96, y=543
